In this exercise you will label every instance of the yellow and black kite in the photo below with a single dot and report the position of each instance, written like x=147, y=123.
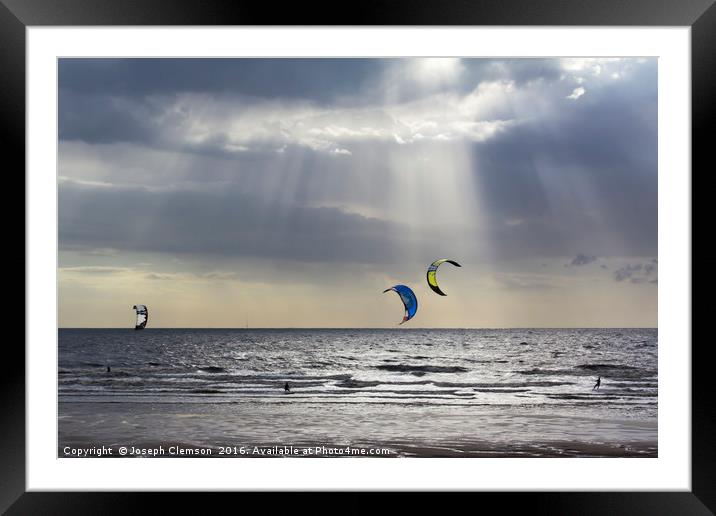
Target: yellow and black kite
x=432, y=271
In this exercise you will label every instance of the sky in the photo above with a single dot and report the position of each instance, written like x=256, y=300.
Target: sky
x=292, y=192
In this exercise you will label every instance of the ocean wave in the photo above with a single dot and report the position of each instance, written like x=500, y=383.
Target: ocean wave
x=545, y=372
x=356, y=384
x=320, y=365
x=501, y=390
x=617, y=371
x=460, y=385
x=212, y=369
x=116, y=374
x=552, y=368
x=408, y=368
x=610, y=370
x=605, y=367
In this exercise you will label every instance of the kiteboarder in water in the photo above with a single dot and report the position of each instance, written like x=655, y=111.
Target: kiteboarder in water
x=596, y=385
x=286, y=388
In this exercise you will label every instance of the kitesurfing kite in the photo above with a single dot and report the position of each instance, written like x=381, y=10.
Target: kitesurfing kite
x=407, y=296
x=432, y=272
x=142, y=316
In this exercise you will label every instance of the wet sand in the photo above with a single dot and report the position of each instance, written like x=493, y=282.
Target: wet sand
x=341, y=430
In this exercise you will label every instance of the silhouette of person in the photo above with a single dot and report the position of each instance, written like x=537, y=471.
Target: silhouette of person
x=596, y=385
x=286, y=388
x=108, y=369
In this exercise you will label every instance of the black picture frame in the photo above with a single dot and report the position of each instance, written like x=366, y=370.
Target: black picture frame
x=700, y=15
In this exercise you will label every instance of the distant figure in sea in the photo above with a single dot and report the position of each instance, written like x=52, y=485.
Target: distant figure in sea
x=109, y=370
x=286, y=388
x=596, y=385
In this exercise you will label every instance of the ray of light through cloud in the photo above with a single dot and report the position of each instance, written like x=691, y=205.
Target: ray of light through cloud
x=298, y=189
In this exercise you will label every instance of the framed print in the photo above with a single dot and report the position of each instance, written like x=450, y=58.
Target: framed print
x=370, y=255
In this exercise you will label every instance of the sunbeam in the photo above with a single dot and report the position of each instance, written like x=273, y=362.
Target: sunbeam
x=299, y=201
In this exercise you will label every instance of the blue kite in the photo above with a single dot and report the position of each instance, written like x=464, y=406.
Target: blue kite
x=407, y=296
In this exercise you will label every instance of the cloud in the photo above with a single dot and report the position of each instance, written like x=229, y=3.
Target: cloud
x=220, y=275
x=637, y=273
x=159, y=276
x=159, y=155
x=525, y=281
x=201, y=123
x=94, y=270
x=582, y=259
x=626, y=272
x=583, y=177
x=224, y=223
x=576, y=93
x=430, y=73
x=321, y=80
x=183, y=179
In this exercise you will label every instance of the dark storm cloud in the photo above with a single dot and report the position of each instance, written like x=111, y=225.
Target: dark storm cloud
x=99, y=118
x=315, y=79
x=223, y=223
x=106, y=100
x=320, y=80
x=577, y=177
x=602, y=146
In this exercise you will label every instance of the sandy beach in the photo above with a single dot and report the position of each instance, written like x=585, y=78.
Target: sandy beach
x=262, y=430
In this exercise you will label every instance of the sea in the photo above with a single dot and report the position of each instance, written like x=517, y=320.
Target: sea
x=407, y=392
